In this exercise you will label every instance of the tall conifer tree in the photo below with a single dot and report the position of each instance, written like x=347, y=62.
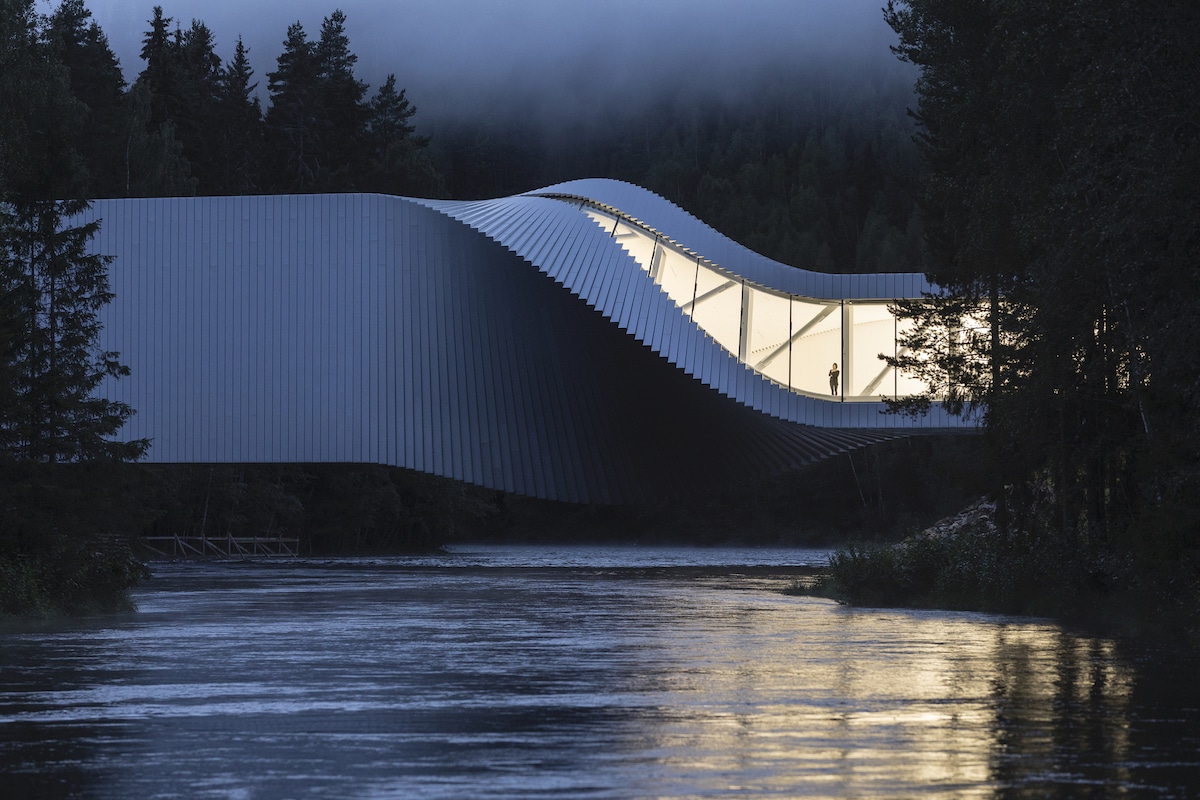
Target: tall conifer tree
x=155, y=161
x=59, y=289
x=240, y=122
x=96, y=81
x=1063, y=146
x=399, y=163
x=199, y=70
x=294, y=117
x=343, y=106
x=51, y=288
x=160, y=76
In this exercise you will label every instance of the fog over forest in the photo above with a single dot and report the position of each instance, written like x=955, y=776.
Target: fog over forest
x=543, y=59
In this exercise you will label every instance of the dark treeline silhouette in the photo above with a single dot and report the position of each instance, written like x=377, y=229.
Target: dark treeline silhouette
x=191, y=123
x=811, y=168
x=330, y=508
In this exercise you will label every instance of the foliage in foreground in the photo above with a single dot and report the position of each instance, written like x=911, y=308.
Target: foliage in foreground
x=66, y=538
x=71, y=534
x=65, y=517
x=72, y=576
x=1062, y=150
x=970, y=564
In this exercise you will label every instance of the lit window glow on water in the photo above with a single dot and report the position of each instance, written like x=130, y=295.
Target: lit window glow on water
x=575, y=672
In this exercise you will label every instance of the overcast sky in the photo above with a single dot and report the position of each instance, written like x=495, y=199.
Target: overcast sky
x=452, y=54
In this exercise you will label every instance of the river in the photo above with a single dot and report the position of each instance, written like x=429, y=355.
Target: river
x=602, y=672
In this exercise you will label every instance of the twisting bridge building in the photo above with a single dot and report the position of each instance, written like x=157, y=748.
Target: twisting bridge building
x=586, y=342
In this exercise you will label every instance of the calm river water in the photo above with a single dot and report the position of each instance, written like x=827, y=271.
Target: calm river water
x=575, y=672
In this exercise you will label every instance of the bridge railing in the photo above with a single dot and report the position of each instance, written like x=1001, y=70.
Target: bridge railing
x=228, y=546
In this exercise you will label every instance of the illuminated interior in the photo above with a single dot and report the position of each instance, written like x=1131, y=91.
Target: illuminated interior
x=791, y=340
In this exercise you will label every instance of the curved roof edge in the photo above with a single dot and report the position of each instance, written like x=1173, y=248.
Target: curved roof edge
x=661, y=215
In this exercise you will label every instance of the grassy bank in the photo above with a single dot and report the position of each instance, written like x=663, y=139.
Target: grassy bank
x=966, y=562
x=71, y=579
x=67, y=535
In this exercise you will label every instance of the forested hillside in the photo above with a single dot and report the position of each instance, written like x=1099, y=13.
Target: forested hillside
x=813, y=168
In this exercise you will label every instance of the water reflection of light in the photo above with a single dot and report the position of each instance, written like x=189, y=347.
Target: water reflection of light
x=454, y=683
x=862, y=702
x=1057, y=695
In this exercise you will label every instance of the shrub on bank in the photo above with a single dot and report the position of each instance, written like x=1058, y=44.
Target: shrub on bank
x=966, y=563
x=72, y=577
x=66, y=537
x=970, y=568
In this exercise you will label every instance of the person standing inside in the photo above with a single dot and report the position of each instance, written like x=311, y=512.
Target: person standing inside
x=833, y=379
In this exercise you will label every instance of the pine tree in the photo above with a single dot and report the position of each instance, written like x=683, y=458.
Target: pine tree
x=96, y=81
x=344, y=112
x=155, y=159
x=51, y=287
x=294, y=117
x=199, y=70
x=240, y=124
x=56, y=289
x=399, y=163
x=160, y=76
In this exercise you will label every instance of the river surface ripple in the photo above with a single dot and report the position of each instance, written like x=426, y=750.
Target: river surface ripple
x=616, y=672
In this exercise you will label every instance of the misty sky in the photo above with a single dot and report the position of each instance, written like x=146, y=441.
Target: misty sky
x=453, y=55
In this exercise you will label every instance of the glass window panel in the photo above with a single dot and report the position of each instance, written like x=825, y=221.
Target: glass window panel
x=906, y=384
x=718, y=307
x=677, y=275
x=816, y=344
x=873, y=332
x=769, y=329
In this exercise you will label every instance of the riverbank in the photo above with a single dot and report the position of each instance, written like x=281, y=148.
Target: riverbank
x=69, y=579
x=67, y=537
x=332, y=510
x=967, y=562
